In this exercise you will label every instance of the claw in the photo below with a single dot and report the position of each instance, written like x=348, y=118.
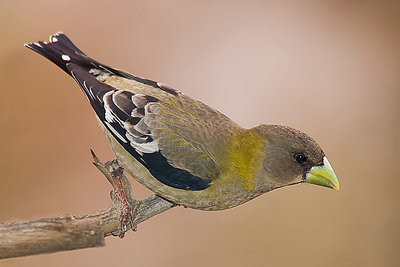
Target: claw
x=114, y=174
x=125, y=218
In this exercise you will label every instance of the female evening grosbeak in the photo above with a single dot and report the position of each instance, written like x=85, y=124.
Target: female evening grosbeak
x=182, y=149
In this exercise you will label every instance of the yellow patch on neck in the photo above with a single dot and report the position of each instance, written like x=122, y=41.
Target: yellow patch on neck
x=244, y=157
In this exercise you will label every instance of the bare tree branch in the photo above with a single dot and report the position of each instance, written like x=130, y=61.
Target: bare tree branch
x=50, y=235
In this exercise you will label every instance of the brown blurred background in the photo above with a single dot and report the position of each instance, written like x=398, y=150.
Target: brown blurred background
x=329, y=68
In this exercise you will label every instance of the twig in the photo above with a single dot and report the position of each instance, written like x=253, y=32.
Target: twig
x=50, y=235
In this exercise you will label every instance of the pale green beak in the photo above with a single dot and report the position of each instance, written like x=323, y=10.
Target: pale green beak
x=323, y=175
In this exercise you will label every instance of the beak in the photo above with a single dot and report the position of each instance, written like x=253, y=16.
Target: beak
x=323, y=175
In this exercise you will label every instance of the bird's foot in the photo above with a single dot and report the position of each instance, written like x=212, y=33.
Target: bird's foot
x=121, y=195
x=125, y=218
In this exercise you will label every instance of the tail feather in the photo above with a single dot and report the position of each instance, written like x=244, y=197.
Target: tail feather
x=61, y=51
x=62, y=38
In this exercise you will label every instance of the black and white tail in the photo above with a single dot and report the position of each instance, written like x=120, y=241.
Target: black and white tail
x=61, y=51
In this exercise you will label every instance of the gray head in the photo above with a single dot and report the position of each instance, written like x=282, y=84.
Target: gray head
x=292, y=156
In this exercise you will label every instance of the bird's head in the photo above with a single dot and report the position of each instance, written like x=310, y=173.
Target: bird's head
x=293, y=157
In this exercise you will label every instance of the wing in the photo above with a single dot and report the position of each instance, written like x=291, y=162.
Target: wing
x=167, y=132
x=133, y=121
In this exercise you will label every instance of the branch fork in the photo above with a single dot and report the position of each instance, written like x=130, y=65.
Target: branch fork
x=49, y=235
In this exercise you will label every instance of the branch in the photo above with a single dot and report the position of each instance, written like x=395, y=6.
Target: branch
x=50, y=235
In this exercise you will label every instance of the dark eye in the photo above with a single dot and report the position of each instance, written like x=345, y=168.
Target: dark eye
x=300, y=158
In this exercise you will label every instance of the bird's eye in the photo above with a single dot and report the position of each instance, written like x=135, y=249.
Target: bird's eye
x=300, y=158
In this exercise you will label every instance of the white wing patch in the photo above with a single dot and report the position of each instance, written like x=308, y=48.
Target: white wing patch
x=115, y=132
x=125, y=114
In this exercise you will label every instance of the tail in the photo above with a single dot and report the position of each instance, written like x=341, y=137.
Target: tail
x=60, y=50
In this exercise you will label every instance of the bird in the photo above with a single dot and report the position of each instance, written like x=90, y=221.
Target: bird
x=181, y=149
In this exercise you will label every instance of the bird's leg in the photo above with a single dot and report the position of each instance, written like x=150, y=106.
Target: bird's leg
x=115, y=175
x=118, y=195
